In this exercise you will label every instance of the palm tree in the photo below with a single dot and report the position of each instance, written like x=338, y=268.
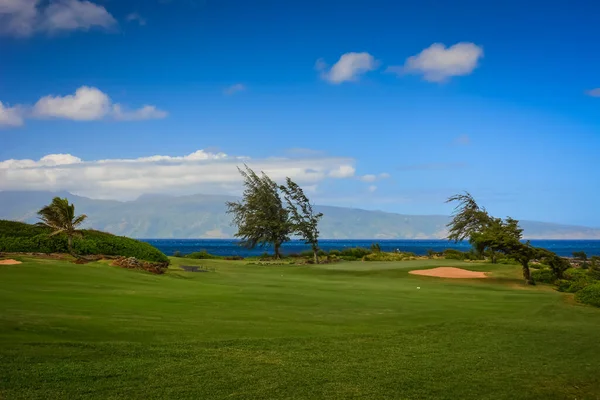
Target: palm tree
x=60, y=217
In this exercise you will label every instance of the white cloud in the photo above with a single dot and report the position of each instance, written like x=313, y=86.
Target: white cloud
x=26, y=17
x=343, y=171
x=349, y=67
x=198, y=172
x=372, y=188
x=594, y=92
x=89, y=104
x=10, y=116
x=373, y=177
x=238, y=87
x=438, y=63
x=146, y=112
x=136, y=17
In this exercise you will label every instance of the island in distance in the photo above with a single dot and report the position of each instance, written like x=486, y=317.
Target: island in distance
x=204, y=216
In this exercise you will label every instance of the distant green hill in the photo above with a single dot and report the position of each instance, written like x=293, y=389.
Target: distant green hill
x=19, y=237
x=203, y=216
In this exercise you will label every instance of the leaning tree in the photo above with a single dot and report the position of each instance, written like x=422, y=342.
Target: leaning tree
x=260, y=216
x=60, y=217
x=305, y=221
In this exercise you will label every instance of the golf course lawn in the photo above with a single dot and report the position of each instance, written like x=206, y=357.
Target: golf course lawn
x=341, y=331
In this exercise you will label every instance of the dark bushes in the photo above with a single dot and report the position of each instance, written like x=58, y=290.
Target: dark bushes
x=589, y=295
x=18, y=237
x=543, y=275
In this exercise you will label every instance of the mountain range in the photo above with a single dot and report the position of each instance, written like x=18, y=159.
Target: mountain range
x=204, y=216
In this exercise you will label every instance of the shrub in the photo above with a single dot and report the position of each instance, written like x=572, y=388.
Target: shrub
x=544, y=275
x=388, y=256
x=568, y=286
x=452, y=254
x=335, y=253
x=355, y=252
x=177, y=253
x=202, y=255
x=574, y=274
x=589, y=295
x=18, y=237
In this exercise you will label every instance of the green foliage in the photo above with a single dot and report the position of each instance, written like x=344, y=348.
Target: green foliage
x=594, y=270
x=468, y=218
x=304, y=220
x=18, y=237
x=202, y=255
x=354, y=253
x=177, y=254
x=382, y=256
x=574, y=274
x=260, y=216
x=543, y=275
x=575, y=280
x=375, y=248
x=60, y=217
x=589, y=295
x=452, y=254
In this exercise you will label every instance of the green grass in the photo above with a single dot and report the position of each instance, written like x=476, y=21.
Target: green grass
x=340, y=331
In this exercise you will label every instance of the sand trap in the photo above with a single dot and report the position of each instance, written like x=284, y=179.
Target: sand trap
x=449, y=272
x=9, y=262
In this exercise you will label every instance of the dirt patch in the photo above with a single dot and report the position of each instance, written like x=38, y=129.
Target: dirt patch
x=10, y=262
x=449, y=272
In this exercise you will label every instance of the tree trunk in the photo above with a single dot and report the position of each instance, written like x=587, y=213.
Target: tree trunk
x=494, y=260
x=315, y=254
x=70, y=245
x=277, y=245
x=527, y=273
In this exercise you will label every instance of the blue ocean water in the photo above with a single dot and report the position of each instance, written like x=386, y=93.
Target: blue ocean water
x=230, y=247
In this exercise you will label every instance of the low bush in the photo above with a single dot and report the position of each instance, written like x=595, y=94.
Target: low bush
x=451, y=254
x=543, y=275
x=589, y=295
x=567, y=286
x=356, y=253
x=18, y=237
x=202, y=255
x=388, y=256
x=574, y=274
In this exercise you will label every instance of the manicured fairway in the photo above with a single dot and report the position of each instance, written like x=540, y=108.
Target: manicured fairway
x=342, y=331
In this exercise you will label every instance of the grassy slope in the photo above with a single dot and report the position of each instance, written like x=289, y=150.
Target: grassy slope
x=351, y=331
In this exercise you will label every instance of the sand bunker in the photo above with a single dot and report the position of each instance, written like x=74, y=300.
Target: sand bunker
x=449, y=272
x=9, y=262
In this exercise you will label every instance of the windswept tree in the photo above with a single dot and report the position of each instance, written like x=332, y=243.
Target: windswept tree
x=60, y=217
x=468, y=218
x=260, y=216
x=495, y=234
x=305, y=221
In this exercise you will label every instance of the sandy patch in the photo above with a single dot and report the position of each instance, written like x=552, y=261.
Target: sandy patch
x=9, y=262
x=449, y=272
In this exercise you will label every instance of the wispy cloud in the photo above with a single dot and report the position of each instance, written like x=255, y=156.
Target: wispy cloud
x=10, y=116
x=373, y=177
x=462, y=140
x=27, y=17
x=438, y=63
x=198, y=172
x=238, y=87
x=135, y=17
x=350, y=67
x=593, y=92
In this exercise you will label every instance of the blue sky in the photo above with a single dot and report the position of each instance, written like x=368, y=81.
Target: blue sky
x=374, y=104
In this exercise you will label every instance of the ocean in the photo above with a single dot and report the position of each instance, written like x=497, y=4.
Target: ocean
x=230, y=247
